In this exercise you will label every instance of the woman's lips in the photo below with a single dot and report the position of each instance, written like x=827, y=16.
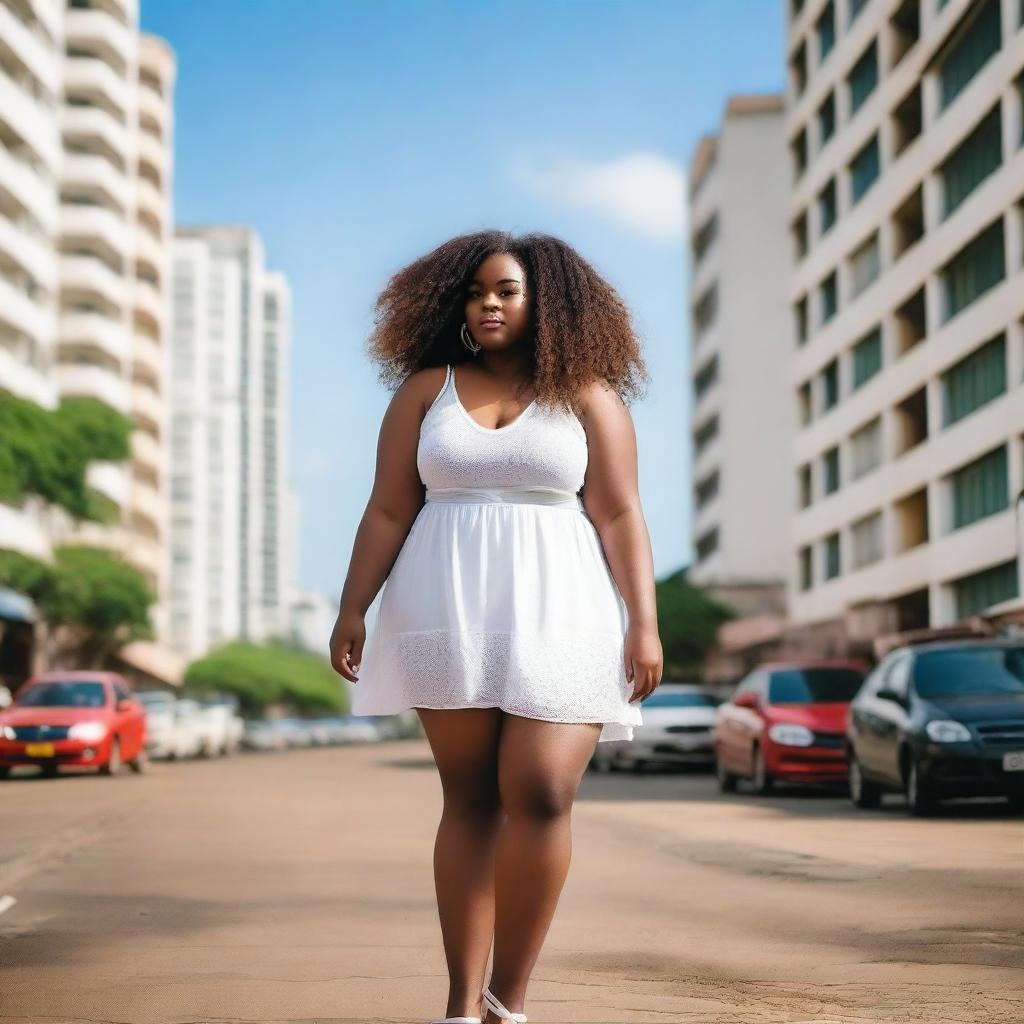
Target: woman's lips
x=492, y=323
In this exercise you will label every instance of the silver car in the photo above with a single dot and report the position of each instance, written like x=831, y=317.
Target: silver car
x=677, y=725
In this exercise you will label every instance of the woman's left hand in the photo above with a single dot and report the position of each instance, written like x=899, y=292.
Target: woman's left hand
x=644, y=660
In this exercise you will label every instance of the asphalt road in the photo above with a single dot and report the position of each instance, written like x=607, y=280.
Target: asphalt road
x=298, y=887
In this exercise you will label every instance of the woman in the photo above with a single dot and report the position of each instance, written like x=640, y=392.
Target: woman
x=518, y=615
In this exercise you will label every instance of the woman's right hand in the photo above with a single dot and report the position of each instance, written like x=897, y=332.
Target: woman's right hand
x=347, y=645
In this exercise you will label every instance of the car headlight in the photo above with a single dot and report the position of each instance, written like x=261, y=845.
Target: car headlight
x=87, y=732
x=790, y=735
x=8, y=733
x=944, y=731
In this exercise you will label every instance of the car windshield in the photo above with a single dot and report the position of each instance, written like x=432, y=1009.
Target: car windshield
x=64, y=695
x=964, y=671
x=679, y=700
x=814, y=685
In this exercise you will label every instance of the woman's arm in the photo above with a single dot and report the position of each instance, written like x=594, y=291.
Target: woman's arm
x=395, y=501
x=611, y=498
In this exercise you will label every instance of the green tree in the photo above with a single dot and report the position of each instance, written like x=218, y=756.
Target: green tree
x=687, y=622
x=262, y=674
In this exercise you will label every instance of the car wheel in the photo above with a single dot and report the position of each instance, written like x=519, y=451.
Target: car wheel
x=5, y=770
x=140, y=762
x=920, y=799
x=49, y=770
x=639, y=766
x=762, y=780
x=726, y=779
x=863, y=792
x=113, y=764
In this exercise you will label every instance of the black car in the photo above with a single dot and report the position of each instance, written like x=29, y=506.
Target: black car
x=940, y=719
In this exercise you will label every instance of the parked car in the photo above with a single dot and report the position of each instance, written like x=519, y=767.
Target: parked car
x=259, y=734
x=158, y=705
x=787, y=722
x=85, y=719
x=940, y=719
x=222, y=732
x=676, y=729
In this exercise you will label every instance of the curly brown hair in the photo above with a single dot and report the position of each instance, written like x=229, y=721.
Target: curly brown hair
x=580, y=329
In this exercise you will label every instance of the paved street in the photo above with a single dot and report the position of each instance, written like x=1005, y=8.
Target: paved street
x=298, y=887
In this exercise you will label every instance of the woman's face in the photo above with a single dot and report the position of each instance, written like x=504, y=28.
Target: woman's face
x=497, y=304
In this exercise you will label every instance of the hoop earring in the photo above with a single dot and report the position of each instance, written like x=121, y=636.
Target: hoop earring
x=467, y=339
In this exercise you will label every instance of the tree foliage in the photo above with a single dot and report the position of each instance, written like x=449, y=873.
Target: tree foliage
x=687, y=622
x=47, y=451
x=265, y=674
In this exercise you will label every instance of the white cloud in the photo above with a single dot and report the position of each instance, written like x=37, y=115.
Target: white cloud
x=646, y=192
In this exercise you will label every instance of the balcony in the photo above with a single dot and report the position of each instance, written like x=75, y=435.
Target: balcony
x=95, y=78
x=94, y=381
x=110, y=479
x=96, y=172
x=22, y=313
x=91, y=275
x=98, y=30
x=35, y=256
x=30, y=119
x=147, y=451
x=149, y=251
x=80, y=220
x=147, y=409
x=154, y=152
x=41, y=60
x=28, y=186
x=150, y=199
x=26, y=381
x=146, y=501
x=148, y=361
x=150, y=303
x=97, y=124
x=152, y=105
x=84, y=330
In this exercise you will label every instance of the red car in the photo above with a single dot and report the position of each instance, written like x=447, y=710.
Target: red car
x=787, y=721
x=73, y=718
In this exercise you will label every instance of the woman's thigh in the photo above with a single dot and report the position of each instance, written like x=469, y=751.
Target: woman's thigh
x=541, y=764
x=464, y=742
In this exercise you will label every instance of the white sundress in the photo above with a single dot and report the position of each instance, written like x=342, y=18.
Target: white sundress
x=501, y=595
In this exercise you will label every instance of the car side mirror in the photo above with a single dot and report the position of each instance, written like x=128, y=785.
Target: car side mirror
x=893, y=695
x=125, y=704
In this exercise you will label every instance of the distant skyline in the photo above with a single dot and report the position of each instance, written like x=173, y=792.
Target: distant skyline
x=354, y=136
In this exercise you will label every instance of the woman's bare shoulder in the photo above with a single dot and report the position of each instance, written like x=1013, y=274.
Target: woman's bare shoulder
x=421, y=387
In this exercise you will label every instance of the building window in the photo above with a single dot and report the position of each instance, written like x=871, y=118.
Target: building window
x=972, y=161
x=827, y=119
x=971, y=52
x=706, y=376
x=706, y=489
x=707, y=544
x=830, y=385
x=975, y=380
x=705, y=311
x=978, y=266
x=867, y=357
x=800, y=316
x=831, y=464
x=856, y=6
x=866, y=448
x=804, y=398
x=705, y=433
x=863, y=78
x=983, y=589
x=981, y=488
x=798, y=69
x=704, y=237
x=827, y=206
x=800, y=236
x=806, y=568
x=864, y=169
x=826, y=30
x=829, y=300
x=831, y=556
x=798, y=148
x=805, y=487
x=866, y=540
x=865, y=264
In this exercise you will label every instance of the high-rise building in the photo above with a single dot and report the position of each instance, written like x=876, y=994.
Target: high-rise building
x=230, y=353
x=906, y=216
x=743, y=420
x=85, y=225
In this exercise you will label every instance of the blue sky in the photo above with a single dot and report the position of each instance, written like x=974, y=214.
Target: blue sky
x=354, y=136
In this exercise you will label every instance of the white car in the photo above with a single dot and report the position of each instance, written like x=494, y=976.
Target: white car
x=677, y=728
x=222, y=727
x=158, y=706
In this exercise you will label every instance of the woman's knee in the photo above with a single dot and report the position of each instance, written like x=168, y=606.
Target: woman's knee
x=539, y=799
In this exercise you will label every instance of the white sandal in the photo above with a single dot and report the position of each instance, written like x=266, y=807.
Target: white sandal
x=495, y=1007
x=458, y=1020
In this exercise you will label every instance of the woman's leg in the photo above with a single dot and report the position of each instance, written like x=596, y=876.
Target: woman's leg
x=540, y=766
x=464, y=742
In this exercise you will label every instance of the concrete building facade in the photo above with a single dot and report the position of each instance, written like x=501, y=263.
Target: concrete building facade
x=906, y=222
x=743, y=420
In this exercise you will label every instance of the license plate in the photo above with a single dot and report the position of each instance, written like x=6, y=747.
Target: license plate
x=44, y=749
x=1014, y=762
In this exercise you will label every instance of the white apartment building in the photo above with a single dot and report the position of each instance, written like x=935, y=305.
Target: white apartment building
x=904, y=126
x=85, y=223
x=743, y=420
x=230, y=536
